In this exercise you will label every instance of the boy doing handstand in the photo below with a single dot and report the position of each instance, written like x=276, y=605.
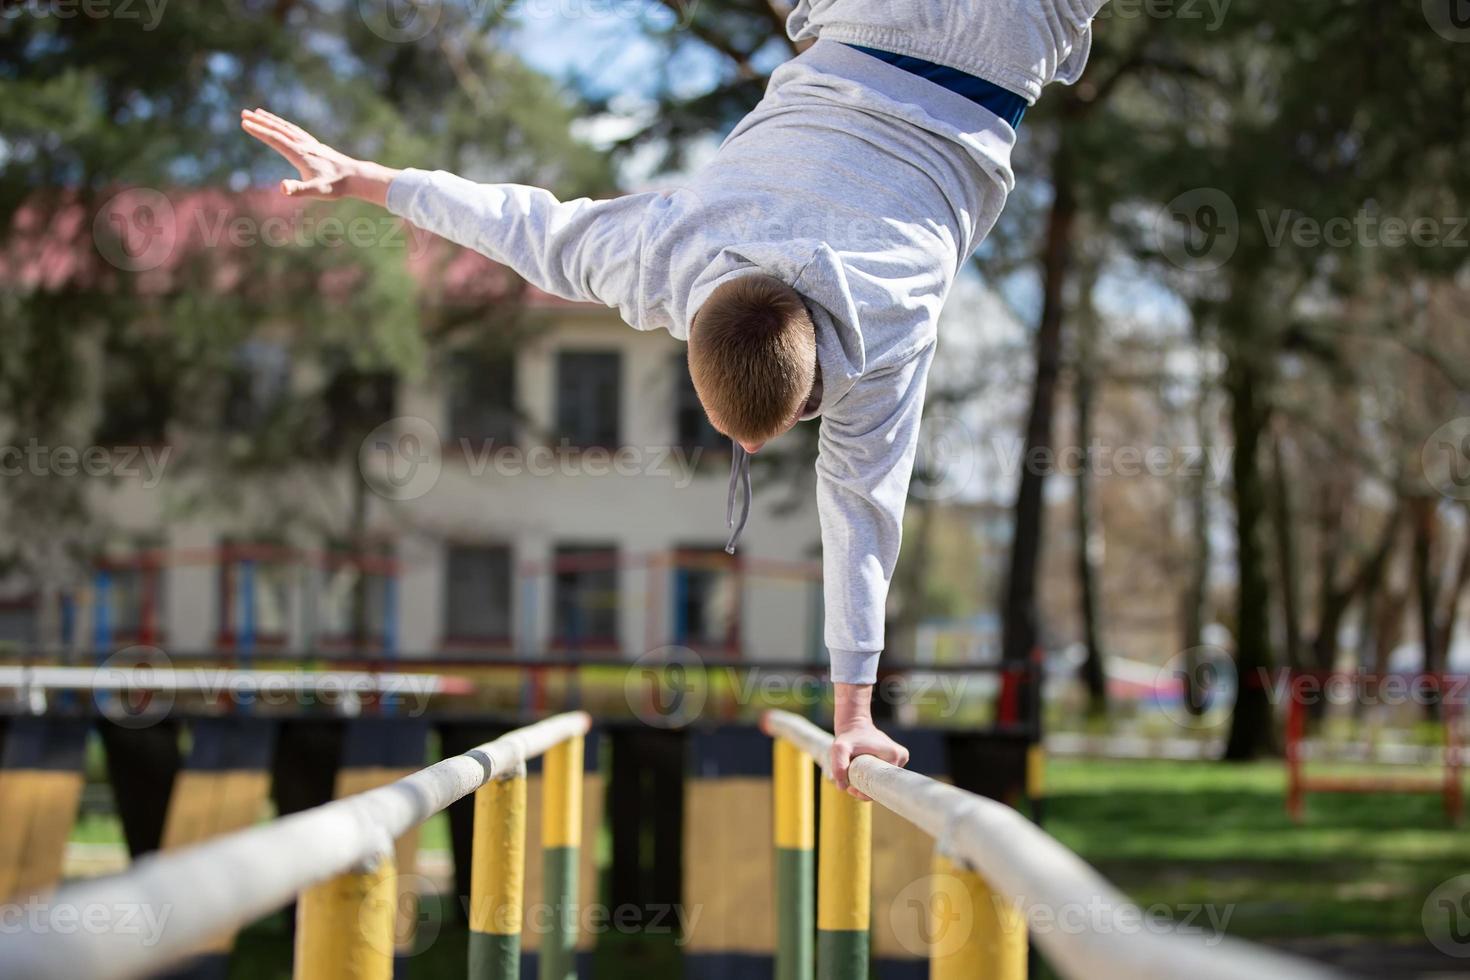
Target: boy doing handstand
x=806, y=265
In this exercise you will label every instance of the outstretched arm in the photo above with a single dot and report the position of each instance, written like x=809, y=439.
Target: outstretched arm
x=580, y=250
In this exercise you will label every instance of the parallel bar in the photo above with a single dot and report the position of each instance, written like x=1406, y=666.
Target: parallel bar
x=844, y=886
x=225, y=883
x=344, y=926
x=561, y=842
x=498, y=878
x=1021, y=861
x=795, y=799
x=973, y=931
x=229, y=681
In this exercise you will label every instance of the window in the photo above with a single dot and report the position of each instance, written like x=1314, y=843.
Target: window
x=706, y=599
x=337, y=616
x=482, y=404
x=139, y=391
x=255, y=385
x=588, y=397
x=691, y=428
x=254, y=594
x=353, y=403
x=477, y=594
x=586, y=596
x=18, y=621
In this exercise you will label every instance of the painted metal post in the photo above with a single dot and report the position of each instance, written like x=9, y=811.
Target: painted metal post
x=497, y=878
x=344, y=926
x=973, y=931
x=102, y=612
x=561, y=844
x=390, y=614
x=844, y=885
x=245, y=641
x=794, y=786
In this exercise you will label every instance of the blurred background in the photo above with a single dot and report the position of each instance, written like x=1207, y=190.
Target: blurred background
x=1192, y=509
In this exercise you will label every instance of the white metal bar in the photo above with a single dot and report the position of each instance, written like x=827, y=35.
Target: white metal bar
x=223, y=884
x=1087, y=928
x=224, y=680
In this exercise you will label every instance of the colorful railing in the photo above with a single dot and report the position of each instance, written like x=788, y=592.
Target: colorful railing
x=993, y=870
x=337, y=860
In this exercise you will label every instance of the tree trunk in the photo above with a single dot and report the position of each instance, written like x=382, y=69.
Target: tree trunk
x=1089, y=536
x=1426, y=588
x=1019, y=636
x=1282, y=526
x=1194, y=612
x=1251, y=733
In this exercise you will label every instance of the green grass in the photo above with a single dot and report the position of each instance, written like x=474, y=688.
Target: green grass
x=1180, y=834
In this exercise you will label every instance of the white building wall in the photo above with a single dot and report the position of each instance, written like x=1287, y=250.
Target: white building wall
x=659, y=508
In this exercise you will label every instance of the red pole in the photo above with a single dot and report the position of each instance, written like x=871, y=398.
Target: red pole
x=148, y=601
x=1294, y=727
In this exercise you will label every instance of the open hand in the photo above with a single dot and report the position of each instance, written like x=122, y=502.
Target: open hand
x=862, y=738
x=324, y=172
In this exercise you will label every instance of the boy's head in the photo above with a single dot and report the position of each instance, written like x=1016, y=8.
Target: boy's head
x=753, y=358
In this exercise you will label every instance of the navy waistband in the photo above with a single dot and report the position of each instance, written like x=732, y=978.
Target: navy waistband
x=988, y=95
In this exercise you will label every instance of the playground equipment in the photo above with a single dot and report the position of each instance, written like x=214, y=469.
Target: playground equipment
x=1000, y=860
x=338, y=858
x=1303, y=686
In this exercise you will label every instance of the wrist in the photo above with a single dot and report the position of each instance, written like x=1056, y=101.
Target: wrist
x=369, y=181
x=851, y=707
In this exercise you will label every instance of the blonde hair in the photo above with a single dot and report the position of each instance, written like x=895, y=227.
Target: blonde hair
x=753, y=356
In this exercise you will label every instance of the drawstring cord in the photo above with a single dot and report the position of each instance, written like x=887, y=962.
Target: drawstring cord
x=739, y=474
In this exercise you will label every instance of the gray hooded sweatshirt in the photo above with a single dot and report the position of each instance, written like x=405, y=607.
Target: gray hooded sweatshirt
x=862, y=186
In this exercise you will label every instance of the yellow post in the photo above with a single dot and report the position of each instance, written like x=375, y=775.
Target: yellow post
x=344, y=926
x=793, y=776
x=561, y=844
x=973, y=931
x=498, y=878
x=844, y=885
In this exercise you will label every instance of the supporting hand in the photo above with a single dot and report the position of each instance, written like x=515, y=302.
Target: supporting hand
x=857, y=735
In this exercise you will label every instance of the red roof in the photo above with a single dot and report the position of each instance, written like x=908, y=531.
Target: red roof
x=58, y=243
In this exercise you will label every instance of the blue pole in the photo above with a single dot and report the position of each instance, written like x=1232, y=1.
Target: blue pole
x=68, y=619
x=101, y=612
x=681, y=603
x=245, y=641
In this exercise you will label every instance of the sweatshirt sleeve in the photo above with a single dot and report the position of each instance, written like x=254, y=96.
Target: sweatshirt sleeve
x=579, y=250
x=864, y=461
